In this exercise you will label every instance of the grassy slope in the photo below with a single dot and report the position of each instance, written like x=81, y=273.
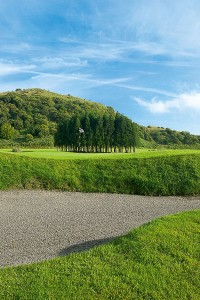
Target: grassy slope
x=156, y=175
x=159, y=260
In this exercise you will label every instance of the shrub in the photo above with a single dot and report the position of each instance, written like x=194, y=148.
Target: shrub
x=16, y=150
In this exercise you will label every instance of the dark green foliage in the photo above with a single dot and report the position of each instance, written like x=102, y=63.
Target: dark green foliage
x=97, y=133
x=6, y=131
x=44, y=142
x=170, y=175
x=88, y=134
x=28, y=137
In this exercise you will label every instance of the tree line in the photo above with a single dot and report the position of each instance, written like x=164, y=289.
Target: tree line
x=97, y=133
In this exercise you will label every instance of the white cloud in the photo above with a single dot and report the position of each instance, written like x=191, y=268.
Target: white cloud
x=7, y=68
x=183, y=102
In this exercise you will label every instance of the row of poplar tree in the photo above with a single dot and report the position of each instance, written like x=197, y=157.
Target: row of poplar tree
x=97, y=133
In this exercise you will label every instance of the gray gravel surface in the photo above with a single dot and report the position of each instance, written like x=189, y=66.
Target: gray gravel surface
x=38, y=225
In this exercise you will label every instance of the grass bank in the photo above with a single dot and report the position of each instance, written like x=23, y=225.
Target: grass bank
x=155, y=175
x=159, y=260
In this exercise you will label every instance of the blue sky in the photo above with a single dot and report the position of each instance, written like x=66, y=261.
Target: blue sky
x=141, y=57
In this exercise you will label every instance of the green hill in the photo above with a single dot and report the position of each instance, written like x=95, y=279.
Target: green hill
x=34, y=114
x=167, y=136
x=30, y=118
x=37, y=111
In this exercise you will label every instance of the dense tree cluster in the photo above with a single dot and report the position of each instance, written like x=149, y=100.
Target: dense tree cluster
x=97, y=133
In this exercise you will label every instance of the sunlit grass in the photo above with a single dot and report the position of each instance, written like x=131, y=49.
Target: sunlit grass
x=159, y=260
x=140, y=153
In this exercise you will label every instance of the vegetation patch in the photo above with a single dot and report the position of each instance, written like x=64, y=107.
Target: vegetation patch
x=96, y=133
x=159, y=260
x=153, y=175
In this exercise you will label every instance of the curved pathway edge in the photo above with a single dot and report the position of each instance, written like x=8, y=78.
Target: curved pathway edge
x=38, y=225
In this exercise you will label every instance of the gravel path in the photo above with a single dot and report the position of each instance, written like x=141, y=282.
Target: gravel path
x=38, y=225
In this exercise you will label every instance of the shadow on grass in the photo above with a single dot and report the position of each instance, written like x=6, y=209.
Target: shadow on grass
x=84, y=246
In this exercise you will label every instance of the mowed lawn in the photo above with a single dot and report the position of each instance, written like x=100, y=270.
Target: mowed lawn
x=159, y=260
x=140, y=153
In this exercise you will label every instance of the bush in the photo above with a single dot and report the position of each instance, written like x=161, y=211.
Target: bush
x=16, y=150
x=28, y=137
x=8, y=143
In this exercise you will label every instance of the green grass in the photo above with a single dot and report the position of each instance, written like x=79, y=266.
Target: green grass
x=140, y=153
x=153, y=174
x=159, y=260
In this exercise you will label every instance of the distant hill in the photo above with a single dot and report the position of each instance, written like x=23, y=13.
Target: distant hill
x=166, y=136
x=30, y=117
x=37, y=111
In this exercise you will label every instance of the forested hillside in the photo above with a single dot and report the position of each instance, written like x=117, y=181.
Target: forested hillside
x=37, y=111
x=167, y=136
x=32, y=117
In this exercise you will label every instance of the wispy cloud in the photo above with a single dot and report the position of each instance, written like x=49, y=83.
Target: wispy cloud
x=95, y=50
x=123, y=51
x=174, y=25
x=51, y=78
x=9, y=68
x=145, y=89
x=86, y=79
x=182, y=102
x=164, y=27
x=59, y=62
x=105, y=50
x=16, y=47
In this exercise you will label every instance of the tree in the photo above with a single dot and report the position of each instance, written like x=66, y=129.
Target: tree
x=118, y=132
x=98, y=137
x=41, y=130
x=87, y=136
x=28, y=137
x=108, y=125
x=135, y=136
x=7, y=131
x=74, y=139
